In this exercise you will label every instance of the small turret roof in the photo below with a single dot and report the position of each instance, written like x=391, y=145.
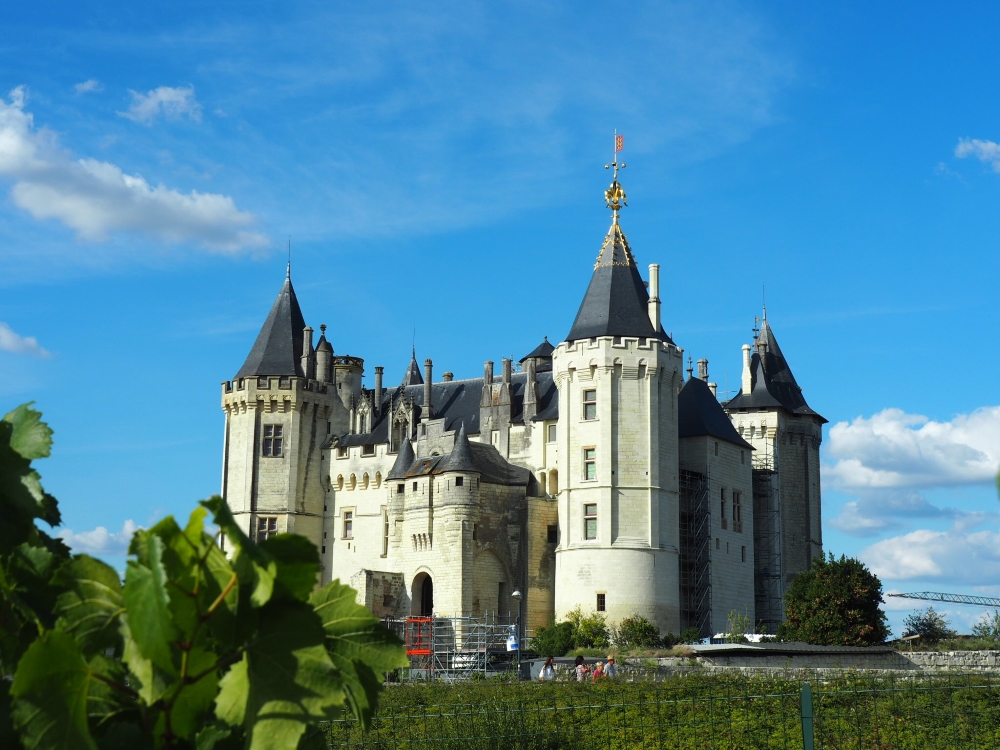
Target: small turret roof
x=542, y=351
x=460, y=458
x=413, y=376
x=278, y=348
x=404, y=460
x=771, y=381
x=699, y=413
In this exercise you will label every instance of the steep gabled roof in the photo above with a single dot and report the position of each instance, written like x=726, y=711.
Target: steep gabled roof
x=404, y=460
x=771, y=381
x=413, y=376
x=542, y=351
x=699, y=413
x=460, y=458
x=278, y=348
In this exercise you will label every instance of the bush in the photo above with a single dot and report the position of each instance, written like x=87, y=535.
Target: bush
x=929, y=624
x=555, y=640
x=589, y=631
x=690, y=635
x=738, y=626
x=835, y=603
x=637, y=632
x=988, y=628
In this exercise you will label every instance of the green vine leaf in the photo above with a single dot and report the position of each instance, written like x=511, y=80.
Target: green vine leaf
x=29, y=436
x=89, y=608
x=253, y=565
x=148, y=605
x=297, y=562
x=50, y=695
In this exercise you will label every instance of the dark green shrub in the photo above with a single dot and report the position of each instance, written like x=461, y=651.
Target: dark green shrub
x=690, y=635
x=555, y=640
x=929, y=624
x=637, y=632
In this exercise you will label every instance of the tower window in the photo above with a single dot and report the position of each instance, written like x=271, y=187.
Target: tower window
x=589, y=463
x=342, y=452
x=590, y=404
x=267, y=526
x=400, y=489
x=553, y=532
x=272, y=441
x=348, y=524
x=743, y=554
x=414, y=486
x=722, y=506
x=602, y=603
x=716, y=447
x=385, y=532
x=368, y=450
x=552, y=433
x=737, y=511
x=459, y=481
x=590, y=521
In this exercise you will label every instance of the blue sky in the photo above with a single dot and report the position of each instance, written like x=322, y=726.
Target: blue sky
x=442, y=171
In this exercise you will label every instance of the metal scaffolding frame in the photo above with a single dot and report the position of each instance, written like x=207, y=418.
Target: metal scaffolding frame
x=768, y=600
x=696, y=552
x=453, y=648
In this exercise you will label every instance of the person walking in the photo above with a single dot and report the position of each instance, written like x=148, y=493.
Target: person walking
x=581, y=669
x=548, y=672
x=611, y=669
x=598, y=673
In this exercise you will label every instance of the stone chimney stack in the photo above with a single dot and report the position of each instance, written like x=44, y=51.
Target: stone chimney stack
x=746, y=370
x=488, y=373
x=530, y=391
x=703, y=369
x=378, y=388
x=428, y=379
x=654, y=296
x=506, y=367
x=448, y=377
x=714, y=388
x=308, y=368
x=324, y=358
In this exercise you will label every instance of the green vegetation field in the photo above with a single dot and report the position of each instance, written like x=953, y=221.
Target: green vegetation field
x=691, y=712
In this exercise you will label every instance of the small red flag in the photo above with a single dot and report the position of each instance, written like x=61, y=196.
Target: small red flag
x=619, y=143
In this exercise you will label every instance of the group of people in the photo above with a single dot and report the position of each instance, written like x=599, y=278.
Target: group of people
x=602, y=670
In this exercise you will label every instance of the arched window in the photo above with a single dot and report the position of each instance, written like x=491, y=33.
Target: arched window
x=340, y=482
x=554, y=482
x=364, y=481
x=378, y=479
x=352, y=482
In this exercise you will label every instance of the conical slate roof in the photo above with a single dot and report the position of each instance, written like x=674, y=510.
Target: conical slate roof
x=278, y=348
x=542, y=351
x=413, y=376
x=699, y=413
x=616, y=302
x=460, y=458
x=404, y=460
x=771, y=380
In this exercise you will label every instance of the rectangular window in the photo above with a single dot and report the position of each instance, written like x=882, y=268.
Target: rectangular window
x=272, y=441
x=348, y=524
x=737, y=512
x=716, y=447
x=495, y=438
x=590, y=404
x=459, y=481
x=743, y=553
x=400, y=489
x=589, y=463
x=602, y=603
x=722, y=507
x=414, y=486
x=342, y=452
x=553, y=534
x=590, y=521
x=385, y=532
x=368, y=450
x=267, y=526
x=552, y=433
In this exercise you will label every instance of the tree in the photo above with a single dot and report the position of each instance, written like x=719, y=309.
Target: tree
x=637, y=632
x=555, y=640
x=929, y=624
x=835, y=603
x=988, y=627
x=589, y=631
x=194, y=650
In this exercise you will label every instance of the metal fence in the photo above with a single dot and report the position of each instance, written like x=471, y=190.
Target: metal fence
x=890, y=713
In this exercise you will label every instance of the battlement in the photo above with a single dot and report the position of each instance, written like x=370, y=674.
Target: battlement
x=283, y=383
x=627, y=343
x=346, y=361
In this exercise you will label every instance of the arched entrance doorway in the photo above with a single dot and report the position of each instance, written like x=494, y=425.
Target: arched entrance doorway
x=422, y=596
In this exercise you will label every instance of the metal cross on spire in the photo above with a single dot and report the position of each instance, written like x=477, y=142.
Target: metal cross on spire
x=614, y=196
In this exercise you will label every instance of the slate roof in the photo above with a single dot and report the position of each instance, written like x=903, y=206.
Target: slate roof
x=466, y=456
x=404, y=459
x=542, y=351
x=699, y=413
x=616, y=302
x=413, y=376
x=457, y=402
x=460, y=458
x=771, y=381
x=278, y=348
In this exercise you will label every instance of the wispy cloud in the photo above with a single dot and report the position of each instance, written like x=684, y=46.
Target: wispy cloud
x=893, y=449
x=97, y=198
x=953, y=557
x=100, y=541
x=86, y=87
x=987, y=152
x=12, y=342
x=172, y=103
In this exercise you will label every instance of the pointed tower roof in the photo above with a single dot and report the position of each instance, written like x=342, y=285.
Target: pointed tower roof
x=460, y=458
x=616, y=302
x=413, y=376
x=542, y=351
x=771, y=380
x=699, y=413
x=278, y=348
x=404, y=460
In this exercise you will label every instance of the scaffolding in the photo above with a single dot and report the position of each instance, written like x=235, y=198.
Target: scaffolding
x=767, y=544
x=696, y=553
x=453, y=648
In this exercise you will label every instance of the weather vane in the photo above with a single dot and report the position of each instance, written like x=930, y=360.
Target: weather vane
x=614, y=196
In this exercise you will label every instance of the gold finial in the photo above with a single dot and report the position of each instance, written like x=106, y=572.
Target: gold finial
x=614, y=196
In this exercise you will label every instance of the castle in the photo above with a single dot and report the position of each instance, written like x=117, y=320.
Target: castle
x=595, y=476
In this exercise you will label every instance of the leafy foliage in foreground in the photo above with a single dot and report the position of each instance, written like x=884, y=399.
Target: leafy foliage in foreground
x=836, y=603
x=194, y=650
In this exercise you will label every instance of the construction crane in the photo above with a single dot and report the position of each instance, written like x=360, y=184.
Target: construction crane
x=934, y=596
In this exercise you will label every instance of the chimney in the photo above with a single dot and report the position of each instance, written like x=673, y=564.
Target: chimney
x=428, y=373
x=307, y=353
x=714, y=388
x=654, y=296
x=505, y=365
x=488, y=373
x=530, y=391
x=703, y=369
x=378, y=389
x=448, y=377
x=746, y=369
x=324, y=358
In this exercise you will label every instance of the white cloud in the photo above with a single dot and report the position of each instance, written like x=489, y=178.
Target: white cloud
x=96, y=198
x=172, y=103
x=896, y=449
x=951, y=556
x=12, y=342
x=91, y=84
x=987, y=152
x=100, y=541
